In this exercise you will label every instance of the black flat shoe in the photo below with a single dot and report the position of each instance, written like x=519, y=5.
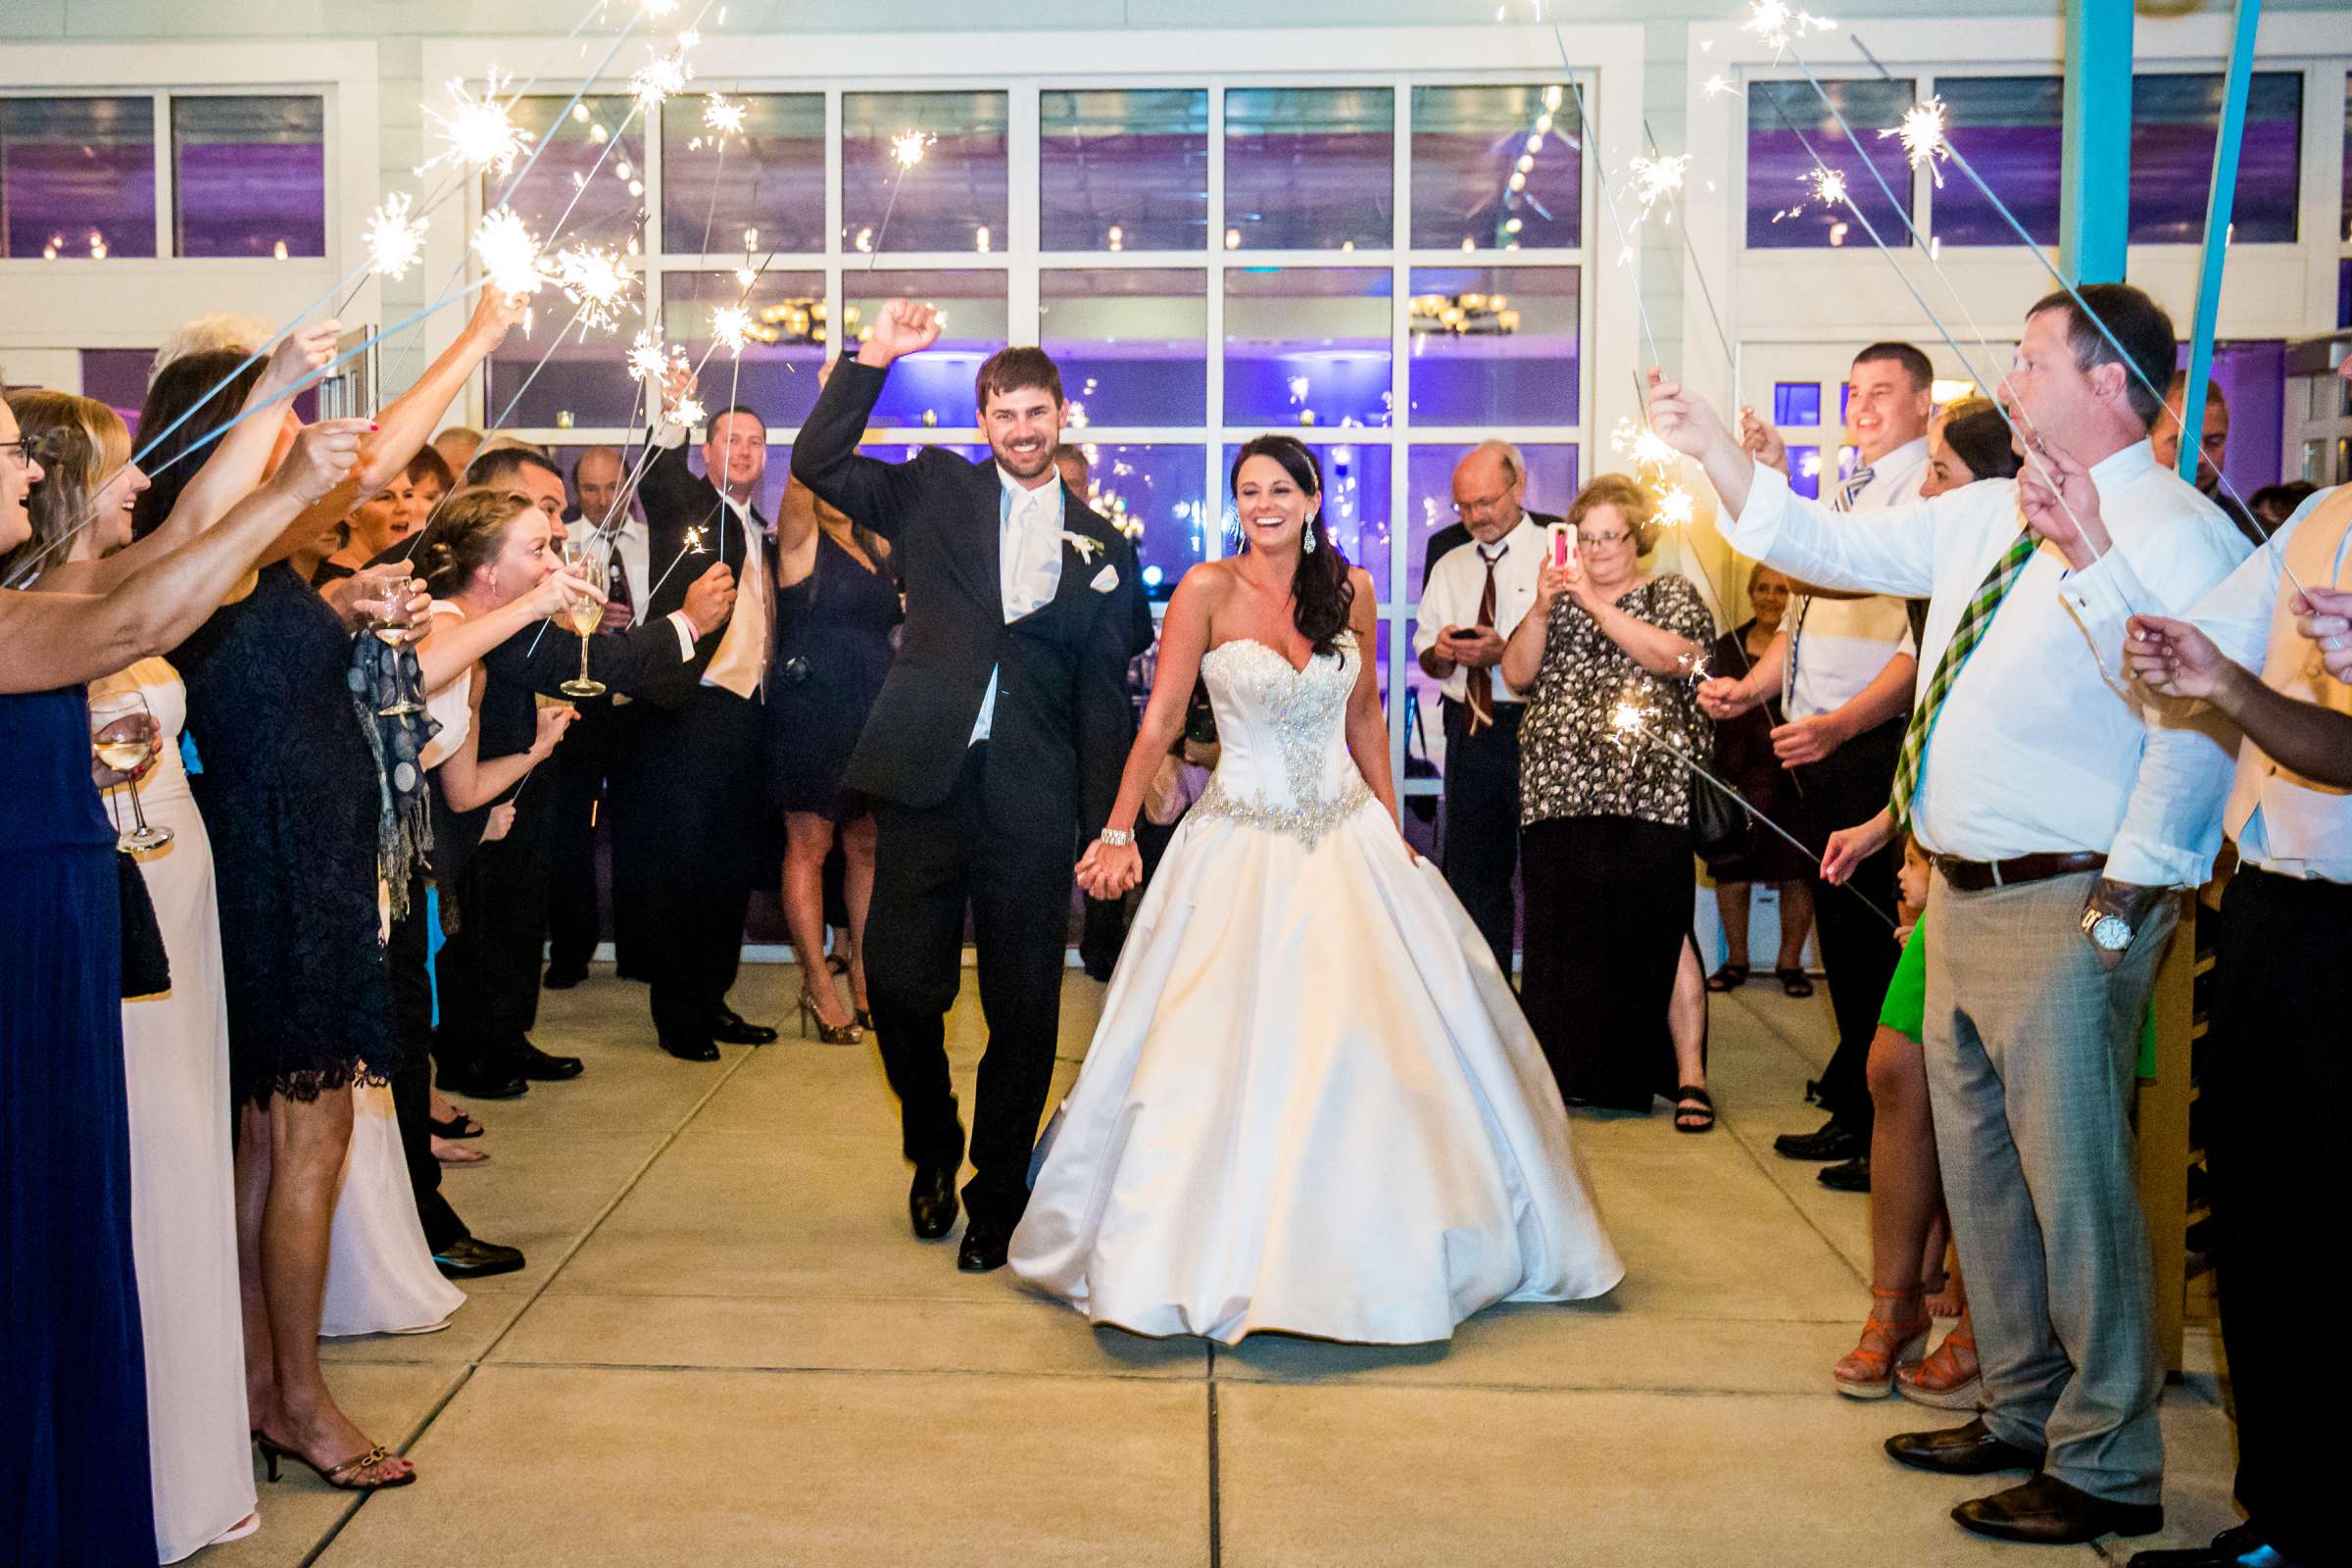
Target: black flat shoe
x=732, y=1029
x=690, y=1047
x=457, y=1127
x=530, y=1061
x=563, y=976
x=2242, y=1547
x=1694, y=1110
x=931, y=1203
x=1852, y=1176
x=1969, y=1450
x=1730, y=977
x=1835, y=1141
x=2049, y=1512
x=500, y=1082
x=985, y=1243
x=472, y=1259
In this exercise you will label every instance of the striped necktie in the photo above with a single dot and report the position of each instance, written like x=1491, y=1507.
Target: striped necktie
x=1974, y=622
x=1478, y=682
x=1855, y=483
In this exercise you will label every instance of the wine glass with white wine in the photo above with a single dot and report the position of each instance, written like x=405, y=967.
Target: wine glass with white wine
x=584, y=614
x=391, y=625
x=122, y=734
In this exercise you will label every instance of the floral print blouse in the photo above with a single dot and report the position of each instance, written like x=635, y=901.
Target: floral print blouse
x=1574, y=759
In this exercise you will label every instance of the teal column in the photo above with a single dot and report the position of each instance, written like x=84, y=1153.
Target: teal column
x=2219, y=201
x=2095, y=177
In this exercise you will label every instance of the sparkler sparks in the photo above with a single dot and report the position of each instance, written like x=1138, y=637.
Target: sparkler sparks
x=1776, y=22
x=1921, y=133
x=510, y=254
x=694, y=542
x=1676, y=506
x=908, y=146
x=731, y=327
x=1642, y=447
x=395, y=240
x=648, y=359
x=478, y=133
x=599, y=282
x=1627, y=719
x=1655, y=179
x=663, y=78
x=723, y=116
x=1719, y=84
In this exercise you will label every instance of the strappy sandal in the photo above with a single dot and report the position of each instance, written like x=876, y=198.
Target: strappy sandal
x=1698, y=1118
x=338, y=1476
x=1730, y=977
x=458, y=1126
x=1868, y=1370
x=1794, y=982
x=1943, y=1382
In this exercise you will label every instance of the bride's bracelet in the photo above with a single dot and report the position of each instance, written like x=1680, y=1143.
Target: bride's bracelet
x=1117, y=838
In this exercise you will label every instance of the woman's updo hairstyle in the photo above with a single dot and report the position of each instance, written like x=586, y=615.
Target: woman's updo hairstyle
x=467, y=533
x=82, y=444
x=1320, y=590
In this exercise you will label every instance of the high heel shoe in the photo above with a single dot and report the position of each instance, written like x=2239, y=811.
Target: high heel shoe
x=1950, y=1380
x=1868, y=1370
x=337, y=1476
x=832, y=1034
x=864, y=1018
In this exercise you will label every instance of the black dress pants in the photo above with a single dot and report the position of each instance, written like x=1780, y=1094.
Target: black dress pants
x=929, y=867
x=1609, y=910
x=405, y=959
x=1481, y=821
x=2272, y=1067
x=593, y=751
x=694, y=786
x=1858, y=949
x=489, y=967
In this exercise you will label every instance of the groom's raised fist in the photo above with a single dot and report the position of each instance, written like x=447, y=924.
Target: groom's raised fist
x=902, y=327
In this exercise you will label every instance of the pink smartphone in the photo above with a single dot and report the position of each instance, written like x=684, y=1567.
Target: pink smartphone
x=1563, y=546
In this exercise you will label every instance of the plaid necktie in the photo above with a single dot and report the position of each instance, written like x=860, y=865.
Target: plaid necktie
x=1478, y=682
x=1974, y=622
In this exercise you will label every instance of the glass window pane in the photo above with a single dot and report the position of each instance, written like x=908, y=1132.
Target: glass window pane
x=1551, y=484
x=1493, y=344
x=1159, y=497
x=1355, y=504
x=790, y=339
x=1306, y=346
x=1470, y=144
x=117, y=379
x=1797, y=403
x=1309, y=168
x=769, y=176
x=1804, y=471
x=2176, y=121
x=934, y=388
x=2346, y=206
x=1132, y=342
x=1782, y=212
x=77, y=176
x=2011, y=131
x=249, y=175
x=1123, y=169
x=581, y=384
x=588, y=187
x=951, y=198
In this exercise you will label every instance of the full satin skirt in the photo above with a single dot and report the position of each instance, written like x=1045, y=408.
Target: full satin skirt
x=381, y=1277
x=1313, y=1108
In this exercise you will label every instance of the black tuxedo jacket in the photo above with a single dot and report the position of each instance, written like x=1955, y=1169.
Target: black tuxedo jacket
x=677, y=498
x=1064, y=722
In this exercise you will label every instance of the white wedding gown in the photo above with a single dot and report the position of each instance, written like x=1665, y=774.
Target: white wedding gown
x=1312, y=1105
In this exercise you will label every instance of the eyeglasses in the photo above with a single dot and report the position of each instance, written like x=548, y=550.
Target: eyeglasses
x=1603, y=538
x=25, y=450
x=1473, y=508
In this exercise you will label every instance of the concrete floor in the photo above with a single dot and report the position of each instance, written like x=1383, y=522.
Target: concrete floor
x=729, y=1348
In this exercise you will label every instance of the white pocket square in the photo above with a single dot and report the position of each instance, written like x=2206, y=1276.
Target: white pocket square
x=1105, y=580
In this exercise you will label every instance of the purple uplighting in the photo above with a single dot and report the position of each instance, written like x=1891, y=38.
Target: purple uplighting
x=1131, y=343
x=1514, y=359
x=770, y=178
x=604, y=211
x=1783, y=211
x=2175, y=124
x=1468, y=143
x=77, y=176
x=951, y=198
x=249, y=175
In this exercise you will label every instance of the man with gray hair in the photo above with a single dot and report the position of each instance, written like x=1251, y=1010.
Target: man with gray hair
x=1475, y=596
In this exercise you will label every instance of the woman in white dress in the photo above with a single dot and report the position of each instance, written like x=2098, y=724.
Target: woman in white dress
x=1312, y=1105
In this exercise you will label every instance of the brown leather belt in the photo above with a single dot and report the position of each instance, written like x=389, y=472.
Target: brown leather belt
x=1975, y=876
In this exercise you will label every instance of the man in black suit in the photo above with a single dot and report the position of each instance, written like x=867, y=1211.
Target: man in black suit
x=489, y=971
x=698, y=772
x=995, y=750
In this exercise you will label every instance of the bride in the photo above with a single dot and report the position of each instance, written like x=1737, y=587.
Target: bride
x=1312, y=1105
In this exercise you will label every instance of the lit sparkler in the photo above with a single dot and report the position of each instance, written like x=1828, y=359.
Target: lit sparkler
x=478, y=133
x=661, y=77
x=724, y=116
x=1921, y=133
x=688, y=412
x=1776, y=22
x=510, y=254
x=731, y=327
x=648, y=359
x=1718, y=85
x=395, y=239
x=908, y=146
x=597, y=281
x=1642, y=446
x=1676, y=506
x=1657, y=179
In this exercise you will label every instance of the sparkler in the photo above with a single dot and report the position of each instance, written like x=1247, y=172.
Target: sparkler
x=1777, y=22
x=599, y=282
x=664, y=77
x=907, y=147
x=1921, y=133
x=510, y=254
x=1655, y=180
x=478, y=133
x=724, y=117
x=395, y=240
x=731, y=327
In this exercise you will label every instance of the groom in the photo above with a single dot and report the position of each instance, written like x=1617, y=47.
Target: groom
x=994, y=750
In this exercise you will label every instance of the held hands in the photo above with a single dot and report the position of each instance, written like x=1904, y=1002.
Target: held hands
x=2174, y=659
x=302, y=351
x=1555, y=582
x=1107, y=870
x=553, y=719
x=711, y=600
x=1849, y=846
x=1724, y=697
x=902, y=327
x=2061, y=504
x=2324, y=615
x=324, y=456
x=1683, y=420
x=1761, y=441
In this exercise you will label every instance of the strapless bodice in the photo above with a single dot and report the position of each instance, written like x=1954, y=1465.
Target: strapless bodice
x=1282, y=738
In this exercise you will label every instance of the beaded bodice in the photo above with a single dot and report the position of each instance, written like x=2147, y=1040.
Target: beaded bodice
x=1283, y=762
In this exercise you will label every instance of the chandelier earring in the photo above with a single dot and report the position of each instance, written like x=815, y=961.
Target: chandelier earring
x=1309, y=545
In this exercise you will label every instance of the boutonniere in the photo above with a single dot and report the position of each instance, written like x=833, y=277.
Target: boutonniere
x=1086, y=546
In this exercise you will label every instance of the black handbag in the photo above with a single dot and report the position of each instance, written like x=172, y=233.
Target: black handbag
x=1720, y=826
x=146, y=965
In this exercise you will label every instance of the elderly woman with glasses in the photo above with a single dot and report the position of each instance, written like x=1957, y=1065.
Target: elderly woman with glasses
x=1605, y=808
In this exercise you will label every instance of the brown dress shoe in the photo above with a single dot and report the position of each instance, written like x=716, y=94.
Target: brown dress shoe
x=1969, y=1450
x=2047, y=1511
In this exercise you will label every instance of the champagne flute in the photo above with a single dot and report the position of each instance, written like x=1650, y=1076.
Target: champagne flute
x=583, y=615
x=124, y=732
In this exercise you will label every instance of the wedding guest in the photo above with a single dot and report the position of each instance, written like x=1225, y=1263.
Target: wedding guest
x=2213, y=447
x=457, y=446
x=1607, y=818
x=2274, y=1018
x=2059, y=812
x=837, y=603
x=394, y=514
x=1473, y=600
x=1845, y=666
x=71, y=1359
x=210, y=333
x=1744, y=758
x=2274, y=504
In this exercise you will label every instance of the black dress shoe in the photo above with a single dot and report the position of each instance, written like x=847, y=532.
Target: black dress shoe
x=985, y=1243
x=530, y=1061
x=1852, y=1176
x=2049, y=1512
x=2242, y=1547
x=931, y=1201
x=735, y=1030
x=483, y=1081
x=690, y=1047
x=563, y=976
x=470, y=1258
x=1835, y=1141
x=1969, y=1450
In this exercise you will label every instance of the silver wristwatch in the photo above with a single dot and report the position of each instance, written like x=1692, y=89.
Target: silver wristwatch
x=1118, y=837
x=2109, y=933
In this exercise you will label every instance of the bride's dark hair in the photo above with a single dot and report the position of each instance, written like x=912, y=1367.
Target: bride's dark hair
x=1320, y=590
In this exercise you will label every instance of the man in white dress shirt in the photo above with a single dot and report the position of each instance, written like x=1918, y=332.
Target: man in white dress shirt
x=2060, y=807
x=1843, y=668
x=1475, y=598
